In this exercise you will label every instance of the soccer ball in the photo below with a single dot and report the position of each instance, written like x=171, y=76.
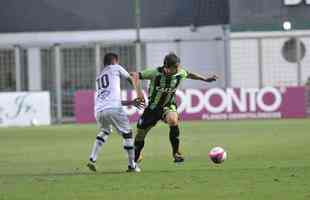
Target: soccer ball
x=217, y=155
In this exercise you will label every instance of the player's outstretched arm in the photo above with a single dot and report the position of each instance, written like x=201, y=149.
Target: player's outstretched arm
x=208, y=79
x=134, y=80
x=137, y=102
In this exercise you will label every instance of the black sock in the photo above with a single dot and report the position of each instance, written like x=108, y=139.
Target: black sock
x=138, y=148
x=174, y=138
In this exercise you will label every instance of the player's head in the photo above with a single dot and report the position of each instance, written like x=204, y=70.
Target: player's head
x=171, y=63
x=110, y=59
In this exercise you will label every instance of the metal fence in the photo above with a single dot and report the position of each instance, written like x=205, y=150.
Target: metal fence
x=7, y=73
x=79, y=66
x=241, y=62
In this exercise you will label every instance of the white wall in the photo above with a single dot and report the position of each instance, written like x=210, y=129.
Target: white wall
x=198, y=49
x=244, y=63
x=34, y=69
x=305, y=70
x=201, y=57
x=276, y=71
x=125, y=35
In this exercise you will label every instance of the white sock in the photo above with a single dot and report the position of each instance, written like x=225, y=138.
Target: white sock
x=99, y=142
x=128, y=146
x=131, y=157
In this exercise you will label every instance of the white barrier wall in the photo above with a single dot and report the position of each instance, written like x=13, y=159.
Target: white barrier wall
x=257, y=59
x=244, y=63
x=24, y=109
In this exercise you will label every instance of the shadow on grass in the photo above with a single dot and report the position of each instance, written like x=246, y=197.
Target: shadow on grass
x=81, y=173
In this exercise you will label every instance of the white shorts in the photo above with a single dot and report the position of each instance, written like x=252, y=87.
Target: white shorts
x=115, y=117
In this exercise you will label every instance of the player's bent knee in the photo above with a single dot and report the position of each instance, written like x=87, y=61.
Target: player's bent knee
x=102, y=136
x=172, y=121
x=172, y=118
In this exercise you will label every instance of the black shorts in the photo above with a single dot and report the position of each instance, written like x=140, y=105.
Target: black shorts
x=150, y=117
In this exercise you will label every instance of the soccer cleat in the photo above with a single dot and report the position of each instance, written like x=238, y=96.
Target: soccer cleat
x=133, y=169
x=140, y=158
x=178, y=158
x=91, y=165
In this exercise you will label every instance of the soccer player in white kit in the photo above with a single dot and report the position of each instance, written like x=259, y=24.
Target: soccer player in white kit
x=109, y=111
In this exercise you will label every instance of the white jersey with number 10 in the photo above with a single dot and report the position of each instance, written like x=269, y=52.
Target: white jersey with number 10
x=108, y=89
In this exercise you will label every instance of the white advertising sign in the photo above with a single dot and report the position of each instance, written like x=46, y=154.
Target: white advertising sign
x=24, y=109
x=215, y=104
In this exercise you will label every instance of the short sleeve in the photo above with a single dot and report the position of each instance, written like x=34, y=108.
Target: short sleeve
x=123, y=72
x=148, y=74
x=183, y=73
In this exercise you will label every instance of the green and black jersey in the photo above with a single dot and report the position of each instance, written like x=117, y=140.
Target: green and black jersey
x=162, y=87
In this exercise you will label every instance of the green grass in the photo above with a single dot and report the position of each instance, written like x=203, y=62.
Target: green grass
x=266, y=160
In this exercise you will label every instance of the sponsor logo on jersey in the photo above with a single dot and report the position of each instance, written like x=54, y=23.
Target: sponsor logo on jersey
x=168, y=90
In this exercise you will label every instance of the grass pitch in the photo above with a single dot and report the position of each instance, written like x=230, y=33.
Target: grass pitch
x=266, y=160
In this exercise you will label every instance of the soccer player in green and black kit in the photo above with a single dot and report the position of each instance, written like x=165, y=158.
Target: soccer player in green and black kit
x=162, y=101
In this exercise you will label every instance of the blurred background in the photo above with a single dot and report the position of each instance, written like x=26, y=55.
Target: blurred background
x=57, y=46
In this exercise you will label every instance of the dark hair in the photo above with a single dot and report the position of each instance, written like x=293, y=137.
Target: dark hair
x=109, y=57
x=171, y=60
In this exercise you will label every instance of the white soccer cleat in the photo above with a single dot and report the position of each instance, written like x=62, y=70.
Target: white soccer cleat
x=133, y=169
